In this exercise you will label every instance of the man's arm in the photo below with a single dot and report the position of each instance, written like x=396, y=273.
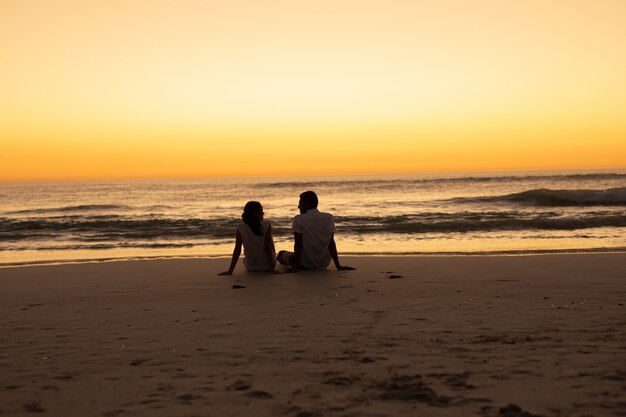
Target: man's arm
x=332, y=248
x=296, y=256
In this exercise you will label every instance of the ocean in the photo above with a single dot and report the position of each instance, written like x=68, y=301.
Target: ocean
x=387, y=214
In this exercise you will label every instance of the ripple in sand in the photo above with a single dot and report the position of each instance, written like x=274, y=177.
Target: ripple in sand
x=410, y=388
x=260, y=394
x=33, y=407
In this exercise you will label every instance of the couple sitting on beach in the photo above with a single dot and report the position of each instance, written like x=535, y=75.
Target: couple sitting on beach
x=313, y=232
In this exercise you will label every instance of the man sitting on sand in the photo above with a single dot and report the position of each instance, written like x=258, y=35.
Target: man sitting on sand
x=314, y=245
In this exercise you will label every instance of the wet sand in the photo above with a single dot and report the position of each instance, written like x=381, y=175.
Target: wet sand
x=507, y=336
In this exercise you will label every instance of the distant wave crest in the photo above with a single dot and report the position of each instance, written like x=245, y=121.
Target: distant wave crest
x=375, y=183
x=70, y=209
x=612, y=196
x=556, y=198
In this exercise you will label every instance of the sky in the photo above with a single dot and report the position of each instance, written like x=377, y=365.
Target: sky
x=143, y=88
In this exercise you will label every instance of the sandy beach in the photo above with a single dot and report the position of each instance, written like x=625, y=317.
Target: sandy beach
x=506, y=336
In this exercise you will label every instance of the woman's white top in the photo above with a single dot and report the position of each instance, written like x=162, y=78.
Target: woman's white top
x=254, y=247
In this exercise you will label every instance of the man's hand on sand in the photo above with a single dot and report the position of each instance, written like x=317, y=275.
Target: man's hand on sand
x=225, y=273
x=345, y=268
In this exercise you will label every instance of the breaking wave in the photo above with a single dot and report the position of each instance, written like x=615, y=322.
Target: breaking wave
x=112, y=229
x=556, y=198
x=129, y=230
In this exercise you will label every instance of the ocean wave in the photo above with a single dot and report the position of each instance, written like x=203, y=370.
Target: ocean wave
x=612, y=196
x=556, y=198
x=477, y=222
x=86, y=229
x=121, y=230
x=444, y=180
x=104, y=246
x=66, y=209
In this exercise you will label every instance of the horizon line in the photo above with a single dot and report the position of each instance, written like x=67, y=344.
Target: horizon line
x=353, y=174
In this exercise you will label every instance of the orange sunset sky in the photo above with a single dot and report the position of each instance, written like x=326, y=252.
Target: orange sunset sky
x=133, y=89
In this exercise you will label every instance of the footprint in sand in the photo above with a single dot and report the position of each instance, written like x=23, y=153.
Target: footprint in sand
x=513, y=410
x=239, y=385
x=67, y=376
x=149, y=401
x=455, y=381
x=341, y=380
x=260, y=394
x=410, y=388
x=188, y=398
x=308, y=414
x=33, y=407
x=113, y=413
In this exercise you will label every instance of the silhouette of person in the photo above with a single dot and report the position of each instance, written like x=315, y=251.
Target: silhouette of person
x=255, y=234
x=314, y=241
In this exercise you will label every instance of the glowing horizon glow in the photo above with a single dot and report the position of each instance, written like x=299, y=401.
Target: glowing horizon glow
x=135, y=89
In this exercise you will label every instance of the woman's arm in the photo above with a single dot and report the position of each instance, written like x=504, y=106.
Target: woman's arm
x=269, y=248
x=236, y=253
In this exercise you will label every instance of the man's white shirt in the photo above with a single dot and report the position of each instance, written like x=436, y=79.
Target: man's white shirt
x=317, y=230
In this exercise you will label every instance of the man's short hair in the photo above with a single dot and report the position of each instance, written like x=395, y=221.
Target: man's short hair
x=310, y=198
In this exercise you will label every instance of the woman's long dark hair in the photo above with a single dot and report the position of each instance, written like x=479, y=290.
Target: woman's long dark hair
x=249, y=217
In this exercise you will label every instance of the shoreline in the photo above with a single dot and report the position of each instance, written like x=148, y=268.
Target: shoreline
x=616, y=250
x=483, y=336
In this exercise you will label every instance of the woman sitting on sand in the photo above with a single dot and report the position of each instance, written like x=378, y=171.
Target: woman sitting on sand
x=256, y=236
